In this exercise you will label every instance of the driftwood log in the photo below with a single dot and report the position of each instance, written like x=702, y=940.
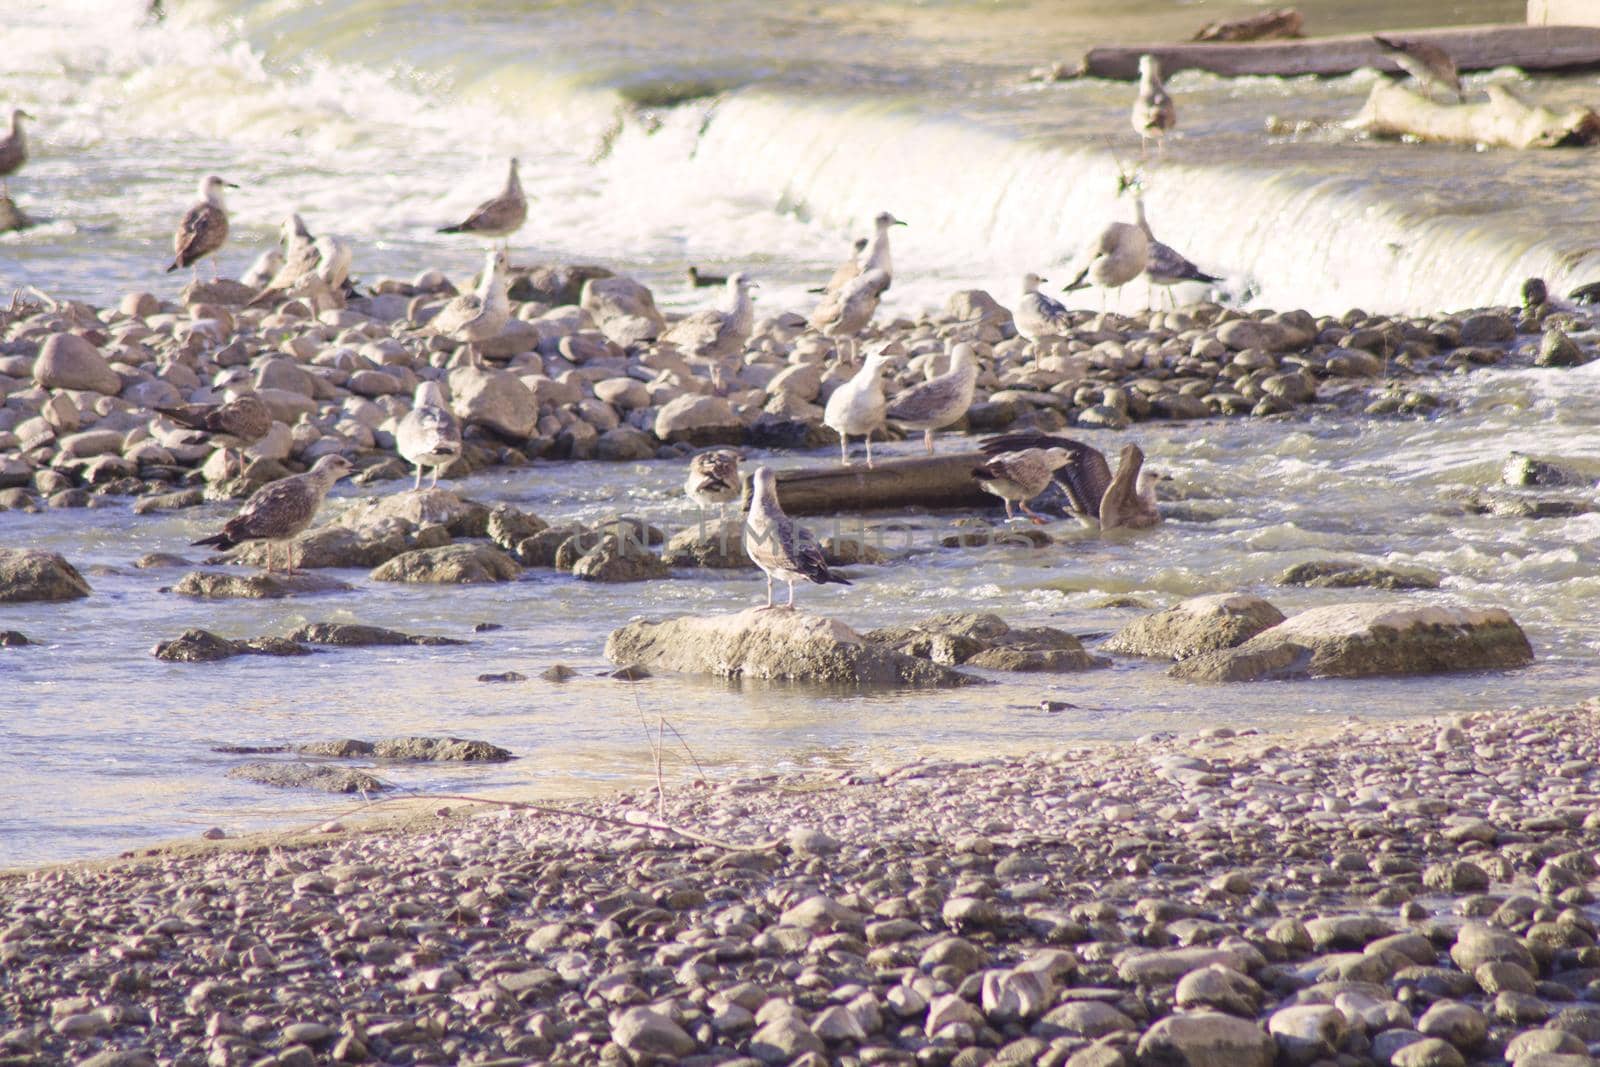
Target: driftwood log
x=1474, y=48
x=938, y=482
x=1503, y=121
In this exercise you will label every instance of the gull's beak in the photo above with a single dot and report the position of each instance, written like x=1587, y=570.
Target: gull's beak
x=1042, y=281
x=27, y=116
x=231, y=185
x=898, y=222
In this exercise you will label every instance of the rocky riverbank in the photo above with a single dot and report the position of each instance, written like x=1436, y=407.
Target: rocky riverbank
x=1414, y=894
x=584, y=371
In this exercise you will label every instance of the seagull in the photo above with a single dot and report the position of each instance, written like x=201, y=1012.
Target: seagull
x=1126, y=501
x=849, y=269
x=1020, y=475
x=299, y=259
x=714, y=479
x=1153, y=112
x=479, y=316
x=280, y=510
x=204, y=227
x=938, y=402
x=13, y=150
x=428, y=435
x=858, y=406
x=267, y=264
x=845, y=313
x=499, y=216
x=1122, y=252
x=1430, y=65
x=239, y=422
x=1167, y=266
x=704, y=281
x=781, y=548
x=1038, y=316
x=718, y=335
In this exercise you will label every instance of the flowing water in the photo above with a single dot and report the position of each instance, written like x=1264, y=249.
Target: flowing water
x=762, y=135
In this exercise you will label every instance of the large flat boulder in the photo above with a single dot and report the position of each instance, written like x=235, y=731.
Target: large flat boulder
x=780, y=646
x=1364, y=640
x=462, y=564
x=420, y=507
x=495, y=399
x=326, y=546
x=217, y=585
x=28, y=574
x=1199, y=624
x=984, y=640
x=67, y=361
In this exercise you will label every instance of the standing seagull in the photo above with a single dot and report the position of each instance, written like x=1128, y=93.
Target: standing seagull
x=479, y=316
x=850, y=268
x=1430, y=65
x=937, y=402
x=1038, y=316
x=235, y=424
x=499, y=216
x=1121, y=254
x=844, y=314
x=718, y=335
x=714, y=479
x=858, y=406
x=1019, y=476
x=1167, y=266
x=300, y=258
x=279, y=511
x=204, y=227
x=877, y=252
x=780, y=547
x=1153, y=112
x=428, y=435
x=13, y=150
x=1127, y=501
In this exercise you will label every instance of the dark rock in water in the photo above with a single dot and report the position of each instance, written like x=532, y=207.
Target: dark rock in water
x=182, y=498
x=453, y=564
x=1491, y=327
x=27, y=574
x=1524, y=471
x=11, y=216
x=308, y=776
x=1586, y=294
x=508, y=527
x=560, y=672
x=1347, y=574
x=440, y=750
x=160, y=559
x=542, y=549
x=630, y=672
x=1527, y=505
x=1534, y=292
x=1197, y=625
x=14, y=639
x=849, y=550
x=249, y=750
x=325, y=546
x=344, y=748
x=356, y=635
x=203, y=646
x=1556, y=349
x=487, y=627
x=986, y=641
x=981, y=534
x=218, y=585
x=619, y=560
x=1365, y=640
x=503, y=676
x=776, y=432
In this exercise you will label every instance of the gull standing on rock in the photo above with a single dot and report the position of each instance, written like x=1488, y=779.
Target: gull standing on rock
x=428, y=435
x=714, y=479
x=479, y=316
x=281, y=510
x=1020, y=475
x=778, y=545
x=1153, y=112
x=235, y=424
x=718, y=335
x=858, y=406
x=499, y=216
x=204, y=227
x=13, y=150
x=1039, y=317
x=1167, y=266
x=1122, y=252
x=850, y=268
x=299, y=258
x=1127, y=501
x=844, y=314
x=938, y=402
x=1432, y=67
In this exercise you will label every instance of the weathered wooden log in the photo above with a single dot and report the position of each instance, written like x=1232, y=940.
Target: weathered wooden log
x=919, y=481
x=1474, y=48
x=1503, y=121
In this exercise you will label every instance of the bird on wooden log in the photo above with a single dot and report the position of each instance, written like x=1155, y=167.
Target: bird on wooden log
x=940, y=401
x=1126, y=501
x=1432, y=67
x=1018, y=475
x=858, y=406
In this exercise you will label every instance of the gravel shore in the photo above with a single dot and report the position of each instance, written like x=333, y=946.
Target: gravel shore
x=1415, y=894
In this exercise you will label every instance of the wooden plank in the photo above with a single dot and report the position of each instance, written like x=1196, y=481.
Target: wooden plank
x=1474, y=48
x=1563, y=13
x=938, y=482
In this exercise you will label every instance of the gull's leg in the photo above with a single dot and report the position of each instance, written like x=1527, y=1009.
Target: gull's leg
x=869, y=450
x=418, y=483
x=1010, y=514
x=789, y=606
x=769, y=594
x=434, y=484
x=1038, y=519
x=844, y=450
x=927, y=440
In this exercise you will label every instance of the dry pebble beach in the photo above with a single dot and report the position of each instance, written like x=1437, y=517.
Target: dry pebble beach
x=1415, y=894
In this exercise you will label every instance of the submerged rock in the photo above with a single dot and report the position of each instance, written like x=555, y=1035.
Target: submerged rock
x=786, y=646
x=307, y=776
x=203, y=646
x=984, y=640
x=217, y=585
x=14, y=639
x=1199, y=624
x=1362, y=640
x=326, y=546
x=358, y=635
x=452, y=564
x=440, y=750
x=1346, y=574
x=28, y=574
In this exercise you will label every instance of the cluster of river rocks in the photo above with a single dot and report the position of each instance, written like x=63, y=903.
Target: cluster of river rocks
x=579, y=373
x=1409, y=895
